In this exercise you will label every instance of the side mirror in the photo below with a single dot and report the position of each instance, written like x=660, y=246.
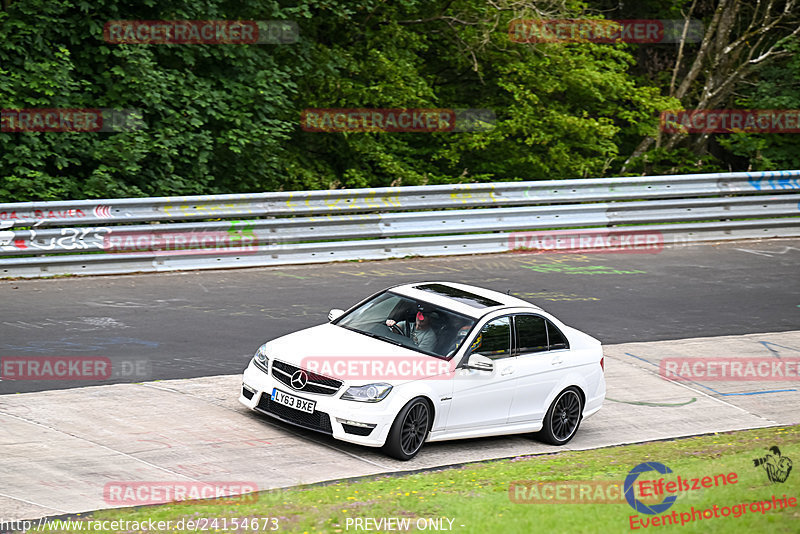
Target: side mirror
x=479, y=362
x=335, y=314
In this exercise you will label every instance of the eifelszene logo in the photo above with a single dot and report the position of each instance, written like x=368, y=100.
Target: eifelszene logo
x=636, y=504
x=777, y=466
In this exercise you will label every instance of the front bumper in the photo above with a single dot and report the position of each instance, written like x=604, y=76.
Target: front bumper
x=332, y=415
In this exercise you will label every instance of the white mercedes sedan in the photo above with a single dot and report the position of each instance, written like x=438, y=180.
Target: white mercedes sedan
x=430, y=361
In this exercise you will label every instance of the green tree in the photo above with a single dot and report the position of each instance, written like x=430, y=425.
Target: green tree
x=226, y=118
x=777, y=88
x=216, y=115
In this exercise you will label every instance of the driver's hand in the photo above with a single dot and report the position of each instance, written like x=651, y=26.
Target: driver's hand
x=390, y=322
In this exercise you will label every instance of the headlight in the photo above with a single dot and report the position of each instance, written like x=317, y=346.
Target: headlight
x=368, y=393
x=260, y=357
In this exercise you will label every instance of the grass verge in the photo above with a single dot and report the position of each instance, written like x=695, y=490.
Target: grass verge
x=476, y=497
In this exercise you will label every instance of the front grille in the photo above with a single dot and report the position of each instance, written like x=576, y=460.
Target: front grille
x=357, y=430
x=319, y=421
x=321, y=385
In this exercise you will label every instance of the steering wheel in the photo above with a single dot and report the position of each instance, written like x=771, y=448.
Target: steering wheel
x=395, y=328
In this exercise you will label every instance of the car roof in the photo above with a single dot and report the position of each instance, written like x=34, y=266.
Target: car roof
x=463, y=298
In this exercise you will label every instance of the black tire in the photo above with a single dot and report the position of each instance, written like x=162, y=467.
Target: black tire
x=563, y=418
x=409, y=430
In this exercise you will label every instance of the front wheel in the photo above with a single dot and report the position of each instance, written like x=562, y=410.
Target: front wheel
x=563, y=418
x=409, y=430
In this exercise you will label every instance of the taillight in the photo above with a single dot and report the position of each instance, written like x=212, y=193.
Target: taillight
x=602, y=364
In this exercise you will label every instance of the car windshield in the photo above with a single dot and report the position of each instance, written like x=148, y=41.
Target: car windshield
x=410, y=323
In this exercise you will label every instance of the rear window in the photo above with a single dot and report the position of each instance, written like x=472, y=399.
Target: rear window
x=464, y=297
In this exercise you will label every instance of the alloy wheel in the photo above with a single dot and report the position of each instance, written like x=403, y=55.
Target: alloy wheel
x=415, y=426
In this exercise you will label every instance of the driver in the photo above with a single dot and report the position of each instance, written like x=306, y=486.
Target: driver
x=420, y=331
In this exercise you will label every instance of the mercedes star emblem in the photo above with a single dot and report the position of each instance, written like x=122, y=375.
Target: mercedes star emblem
x=299, y=379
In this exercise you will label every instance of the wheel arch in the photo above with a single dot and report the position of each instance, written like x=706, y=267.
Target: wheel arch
x=560, y=390
x=429, y=402
x=572, y=380
x=431, y=406
x=581, y=394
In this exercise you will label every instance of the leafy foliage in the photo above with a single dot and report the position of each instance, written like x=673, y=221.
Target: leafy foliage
x=778, y=88
x=225, y=118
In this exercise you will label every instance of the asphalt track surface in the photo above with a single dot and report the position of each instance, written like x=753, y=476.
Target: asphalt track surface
x=206, y=323
x=644, y=307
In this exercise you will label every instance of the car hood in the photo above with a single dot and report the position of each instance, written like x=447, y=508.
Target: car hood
x=331, y=348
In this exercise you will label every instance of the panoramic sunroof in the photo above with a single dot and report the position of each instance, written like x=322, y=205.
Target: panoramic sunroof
x=470, y=299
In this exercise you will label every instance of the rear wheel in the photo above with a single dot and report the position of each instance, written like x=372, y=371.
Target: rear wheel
x=563, y=418
x=409, y=430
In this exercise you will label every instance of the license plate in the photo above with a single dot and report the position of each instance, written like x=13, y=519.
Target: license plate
x=293, y=402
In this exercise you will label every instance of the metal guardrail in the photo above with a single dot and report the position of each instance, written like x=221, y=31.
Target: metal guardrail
x=98, y=237
x=340, y=201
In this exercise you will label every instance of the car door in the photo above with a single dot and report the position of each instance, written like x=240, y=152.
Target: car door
x=542, y=352
x=482, y=398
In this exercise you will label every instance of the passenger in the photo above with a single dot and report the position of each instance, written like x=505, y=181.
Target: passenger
x=461, y=335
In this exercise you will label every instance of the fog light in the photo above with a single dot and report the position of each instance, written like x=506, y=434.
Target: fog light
x=354, y=423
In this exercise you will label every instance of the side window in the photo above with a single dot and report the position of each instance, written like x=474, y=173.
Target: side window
x=557, y=339
x=494, y=340
x=531, y=333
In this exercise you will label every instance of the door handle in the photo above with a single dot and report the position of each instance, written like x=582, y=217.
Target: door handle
x=557, y=361
x=507, y=371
